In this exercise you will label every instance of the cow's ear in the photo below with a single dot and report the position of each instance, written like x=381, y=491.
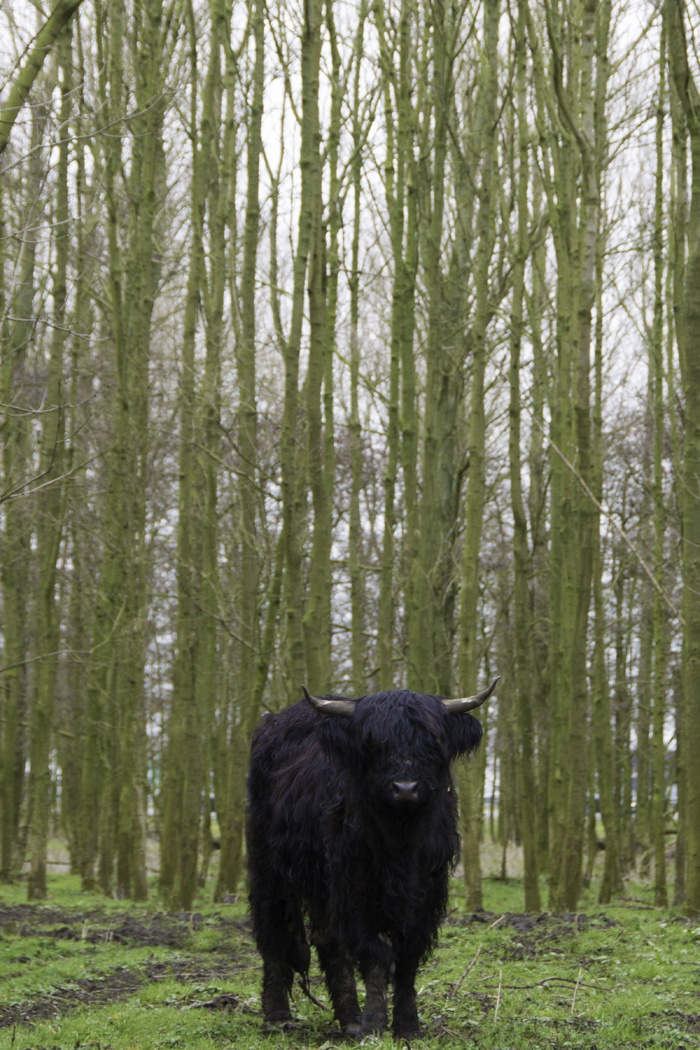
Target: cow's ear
x=463, y=733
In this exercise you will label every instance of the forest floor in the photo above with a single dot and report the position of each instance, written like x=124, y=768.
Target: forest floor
x=80, y=971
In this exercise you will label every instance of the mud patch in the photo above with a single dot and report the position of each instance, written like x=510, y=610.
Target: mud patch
x=106, y=988
x=93, y=991
x=566, y=923
x=535, y=935
x=96, y=926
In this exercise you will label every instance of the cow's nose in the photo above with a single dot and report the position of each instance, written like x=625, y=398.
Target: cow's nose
x=405, y=790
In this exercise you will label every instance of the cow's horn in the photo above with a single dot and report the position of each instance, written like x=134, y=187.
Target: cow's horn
x=468, y=703
x=329, y=707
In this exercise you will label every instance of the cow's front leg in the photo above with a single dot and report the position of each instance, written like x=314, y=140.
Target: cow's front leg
x=375, y=967
x=374, y=1015
x=405, y=1023
x=340, y=981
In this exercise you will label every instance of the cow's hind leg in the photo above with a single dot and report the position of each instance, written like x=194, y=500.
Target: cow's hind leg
x=279, y=933
x=277, y=983
x=339, y=973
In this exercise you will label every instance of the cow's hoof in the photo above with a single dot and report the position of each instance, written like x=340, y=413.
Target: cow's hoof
x=410, y=1029
x=281, y=1023
x=372, y=1029
x=408, y=1034
x=353, y=1030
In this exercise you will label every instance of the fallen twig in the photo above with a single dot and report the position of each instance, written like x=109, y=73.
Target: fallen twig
x=548, y=980
x=576, y=988
x=459, y=983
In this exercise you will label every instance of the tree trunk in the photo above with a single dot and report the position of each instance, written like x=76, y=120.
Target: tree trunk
x=15, y=565
x=120, y=630
x=688, y=334
x=51, y=506
x=355, y=569
x=248, y=640
x=471, y=774
x=523, y=662
x=578, y=53
x=659, y=612
x=319, y=451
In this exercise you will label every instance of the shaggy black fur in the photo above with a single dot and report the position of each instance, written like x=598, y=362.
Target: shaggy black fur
x=352, y=826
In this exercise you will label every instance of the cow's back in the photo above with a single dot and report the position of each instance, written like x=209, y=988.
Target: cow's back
x=293, y=791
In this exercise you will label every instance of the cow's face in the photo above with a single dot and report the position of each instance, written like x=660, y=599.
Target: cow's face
x=397, y=748
x=404, y=752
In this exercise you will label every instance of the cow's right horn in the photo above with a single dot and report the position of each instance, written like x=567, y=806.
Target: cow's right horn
x=468, y=703
x=343, y=708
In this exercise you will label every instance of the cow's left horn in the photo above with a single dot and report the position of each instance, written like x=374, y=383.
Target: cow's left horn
x=468, y=703
x=329, y=707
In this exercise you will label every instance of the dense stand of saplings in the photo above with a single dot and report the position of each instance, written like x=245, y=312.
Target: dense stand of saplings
x=352, y=829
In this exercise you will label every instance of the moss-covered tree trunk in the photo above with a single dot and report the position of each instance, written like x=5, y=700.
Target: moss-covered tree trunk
x=602, y=729
x=183, y=758
x=524, y=656
x=576, y=93
x=394, y=189
x=248, y=642
x=355, y=547
x=293, y=475
x=677, y=237
x=688, y=334
x=122, y=618
x=471, y=774
x=77, y=731
x=51, y=514
x=319, y=466
x=657, y=411
x=17, y=472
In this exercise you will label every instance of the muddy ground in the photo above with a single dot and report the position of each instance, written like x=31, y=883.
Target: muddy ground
x=534, y=935
x=95, y=926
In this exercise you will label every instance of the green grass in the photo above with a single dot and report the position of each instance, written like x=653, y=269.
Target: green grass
x=81, y=971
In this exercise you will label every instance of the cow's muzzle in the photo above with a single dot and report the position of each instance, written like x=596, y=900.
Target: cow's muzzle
x=405, y=792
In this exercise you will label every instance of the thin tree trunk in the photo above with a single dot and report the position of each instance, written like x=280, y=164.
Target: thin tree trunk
x=248, y=643
x=355, y=570
x=524, y=669
x=319, y=461
x=578, y=50
x=215, y=690
x=51, y=521
x=471, y=774
x=688, y=335
x=182, y=764
x=292, y=465
x=17, y=534
x=602, y=728
x=659, y=625
x=122, y=620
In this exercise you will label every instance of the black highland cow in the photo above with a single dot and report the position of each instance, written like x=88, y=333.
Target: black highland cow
x=352, y=827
